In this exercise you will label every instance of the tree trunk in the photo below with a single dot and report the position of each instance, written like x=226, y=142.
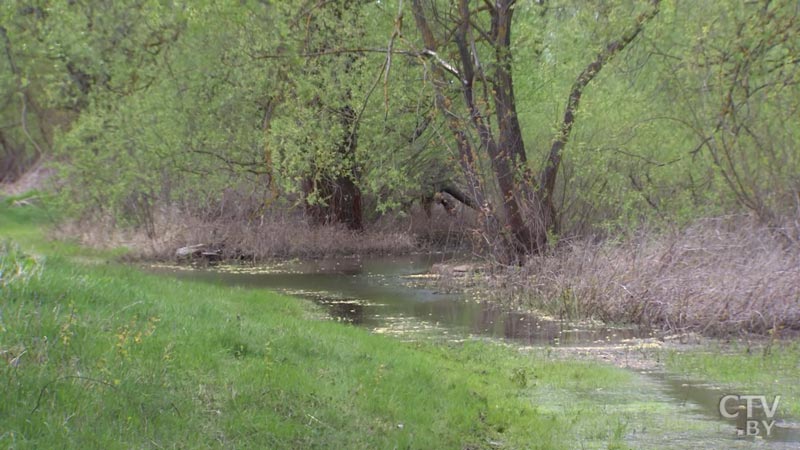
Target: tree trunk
x=467, y=157
x=345, y=203
x=521, y=202
x=340, y=193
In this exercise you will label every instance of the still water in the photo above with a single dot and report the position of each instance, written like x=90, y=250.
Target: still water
x=392, y=295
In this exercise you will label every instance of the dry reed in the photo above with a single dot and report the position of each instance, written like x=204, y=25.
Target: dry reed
x=717, y=277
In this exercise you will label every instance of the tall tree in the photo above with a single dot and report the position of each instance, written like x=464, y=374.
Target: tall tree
x=474, y=48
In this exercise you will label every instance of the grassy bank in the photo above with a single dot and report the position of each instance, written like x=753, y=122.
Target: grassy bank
x=99, y=355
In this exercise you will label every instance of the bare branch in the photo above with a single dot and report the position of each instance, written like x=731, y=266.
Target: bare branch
x=444, y=64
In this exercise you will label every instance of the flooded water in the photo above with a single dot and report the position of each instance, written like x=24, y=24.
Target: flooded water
x=393, y=296
x=387, y=295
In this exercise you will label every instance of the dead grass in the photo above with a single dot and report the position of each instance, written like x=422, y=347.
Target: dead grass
x=31, y=179
x=717, y=277
x=269, y=236
x=276, y=233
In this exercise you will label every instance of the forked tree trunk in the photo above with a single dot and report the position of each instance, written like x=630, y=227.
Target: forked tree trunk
x=506, y=152
x=528, y=206
x=521, y=202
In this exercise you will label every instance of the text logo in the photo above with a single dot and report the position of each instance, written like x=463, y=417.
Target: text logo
x=754, y=415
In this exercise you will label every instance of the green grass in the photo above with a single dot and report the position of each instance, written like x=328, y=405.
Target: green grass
x=769, y=369
x=101, y=355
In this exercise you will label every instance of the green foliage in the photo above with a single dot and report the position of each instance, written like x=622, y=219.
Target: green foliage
x=650, y=141
x=151, y=104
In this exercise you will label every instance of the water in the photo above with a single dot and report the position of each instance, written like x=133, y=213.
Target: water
x=387, y=295
x=393, y=296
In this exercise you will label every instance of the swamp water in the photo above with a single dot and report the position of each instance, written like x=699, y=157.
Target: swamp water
x=392, y=296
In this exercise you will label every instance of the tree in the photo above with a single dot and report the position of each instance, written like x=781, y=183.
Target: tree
x=152, y=105
x=472, y=31
x=332, y=192
x=24, y=135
